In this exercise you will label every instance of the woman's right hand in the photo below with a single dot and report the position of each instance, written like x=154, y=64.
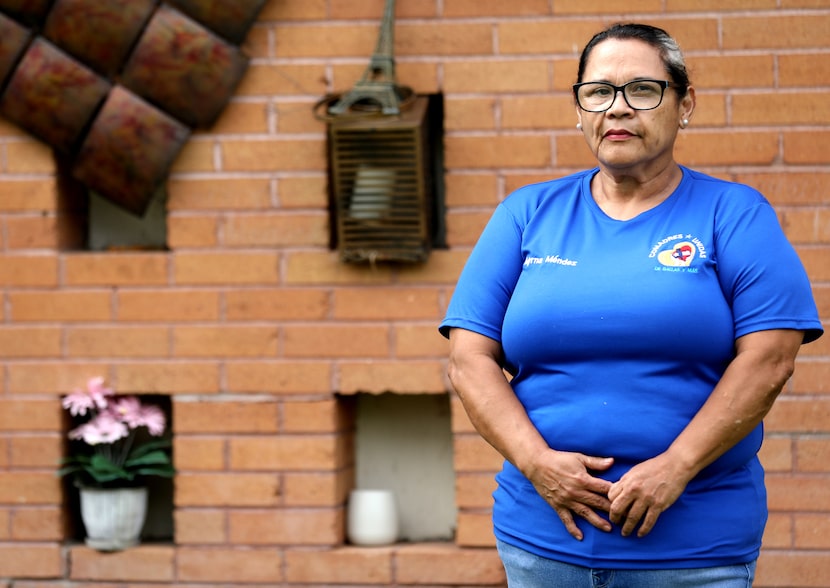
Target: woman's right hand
x=563, y=479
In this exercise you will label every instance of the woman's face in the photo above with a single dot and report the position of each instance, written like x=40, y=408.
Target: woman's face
x=625, y=140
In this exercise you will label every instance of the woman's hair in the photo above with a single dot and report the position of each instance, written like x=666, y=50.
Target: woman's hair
x=669, y=50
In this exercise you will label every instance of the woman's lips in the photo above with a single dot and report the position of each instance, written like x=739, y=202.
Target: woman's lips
x=617, y=134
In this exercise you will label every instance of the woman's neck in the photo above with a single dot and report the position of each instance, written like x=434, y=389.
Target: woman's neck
x=622, y=196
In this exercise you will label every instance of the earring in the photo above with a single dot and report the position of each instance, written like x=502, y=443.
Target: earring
x=579, y=126
x=685, y=122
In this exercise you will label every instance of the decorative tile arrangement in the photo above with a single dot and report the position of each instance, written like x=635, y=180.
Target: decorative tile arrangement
x=118, y=85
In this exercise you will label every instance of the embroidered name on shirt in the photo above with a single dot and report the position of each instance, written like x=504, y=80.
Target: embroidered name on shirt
x=555, y=259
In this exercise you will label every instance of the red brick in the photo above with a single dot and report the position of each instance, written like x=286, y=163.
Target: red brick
x=145, y=563
x=118, y=342
x=32, y=451
x=50, y=378
x=538, y=112
x=196, y=156
x=115, y=269
x=475, y=529
x=242, y=118
x=28, y=195
x=464, y=229
x=789, y=568
x=373, y=9
x=479, y=8
x=281, y=11
x=474, y=490
x=806, y=147
x=781, y=108
x=465, y=114
x=200, y=526
x=167, y=305
x=811, y=378
x=813, y=454
x=226, y=268
x=794, y=493
x=293, y=527
x=348, y=565
x=806, y=69
x=812, y=531
x=444, y=38
x=218, y=194
x=30, y=415
x=37, y=524
x=816, y=261
x=279, y=377
x=498, y=150
x=799, y=415
x=227, y=489
x=29, y=156
x=604, y=7
x=778, y=533
x=318, y=268
x=319, y=40
x=31, y=561
x=385, y=303
x=545, y=36
x=225, y=417
x=472, y=189
x=29, y=488
x=294, y=452
x=34, y=270
x=322, y=416
x=412, y=377
x=192, y=231
x=316, y=489
x=335, y=340
x=496, y=76
x=61, y=306
x=419, y=341
x=228, y=565
x=297, y=117
x=283, y=80
x=167, y=378
x=268, y=154
x=42, y=232
x=277, y=304
x=732, y=71
x=303, y=192
x=447, y=564
x=199, y=453
x=21, y=342
x=225, y=341
x=777, y=453
x=276, y=230
x=762, y=32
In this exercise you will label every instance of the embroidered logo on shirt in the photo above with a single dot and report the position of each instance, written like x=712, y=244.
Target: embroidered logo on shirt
x=677, y=252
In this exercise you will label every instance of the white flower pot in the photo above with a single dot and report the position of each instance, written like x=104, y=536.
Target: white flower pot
x=113, y=518
x=372, y=517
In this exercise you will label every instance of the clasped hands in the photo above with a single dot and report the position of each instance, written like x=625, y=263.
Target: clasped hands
x=638, y=498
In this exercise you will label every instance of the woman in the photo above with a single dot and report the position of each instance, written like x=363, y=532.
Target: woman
x=648, y=316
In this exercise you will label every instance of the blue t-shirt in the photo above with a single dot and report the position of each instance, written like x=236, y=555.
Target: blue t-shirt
x=615, y=333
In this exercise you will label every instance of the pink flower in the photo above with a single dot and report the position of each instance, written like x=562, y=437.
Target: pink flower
x=128, y=409
x=104, y=428
x=78, y=403
x=152, y=417
x=96, y=390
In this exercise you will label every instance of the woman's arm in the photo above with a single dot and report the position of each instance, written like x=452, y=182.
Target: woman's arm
x=561, y=478
x=763, y=363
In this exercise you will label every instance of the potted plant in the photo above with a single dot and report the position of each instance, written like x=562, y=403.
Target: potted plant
x=114, y=448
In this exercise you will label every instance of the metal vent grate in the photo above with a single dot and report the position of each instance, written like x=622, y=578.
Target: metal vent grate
x=380, y=186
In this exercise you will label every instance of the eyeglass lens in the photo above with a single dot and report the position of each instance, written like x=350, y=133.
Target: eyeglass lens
x=639, y=94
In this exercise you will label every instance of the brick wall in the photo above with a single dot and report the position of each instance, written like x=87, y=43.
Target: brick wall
x=252, y=324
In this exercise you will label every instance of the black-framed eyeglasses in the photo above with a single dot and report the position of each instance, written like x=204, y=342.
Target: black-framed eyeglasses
x=638, y=94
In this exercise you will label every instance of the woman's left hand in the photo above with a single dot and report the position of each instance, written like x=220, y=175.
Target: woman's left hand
x=644, y=492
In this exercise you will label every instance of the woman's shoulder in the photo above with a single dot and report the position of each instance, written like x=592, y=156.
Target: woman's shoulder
x=724, y=192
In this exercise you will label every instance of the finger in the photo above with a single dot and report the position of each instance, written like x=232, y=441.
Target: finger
x=648, y=522
x=593, y=518
x=568, y=520
x=635, y=514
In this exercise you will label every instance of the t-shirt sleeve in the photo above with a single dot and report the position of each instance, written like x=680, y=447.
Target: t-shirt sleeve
x=486, y=284
x=762, y=276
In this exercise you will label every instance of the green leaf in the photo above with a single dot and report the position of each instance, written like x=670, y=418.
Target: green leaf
x=153, y=458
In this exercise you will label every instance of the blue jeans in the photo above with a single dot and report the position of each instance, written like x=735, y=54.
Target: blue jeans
x=526, y=570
